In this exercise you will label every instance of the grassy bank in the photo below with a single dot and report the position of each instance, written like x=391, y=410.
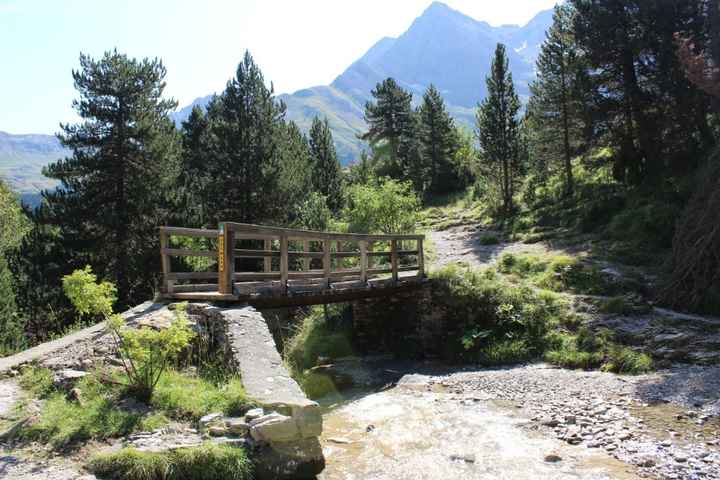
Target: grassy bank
x=207, y=462
x=100, y=408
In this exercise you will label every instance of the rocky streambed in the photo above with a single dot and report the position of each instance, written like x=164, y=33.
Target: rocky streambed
x=523, y=422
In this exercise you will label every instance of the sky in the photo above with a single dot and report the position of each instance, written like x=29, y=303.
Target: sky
x=297, y=44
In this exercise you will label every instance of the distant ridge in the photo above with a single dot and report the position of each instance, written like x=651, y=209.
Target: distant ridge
x=442, y=46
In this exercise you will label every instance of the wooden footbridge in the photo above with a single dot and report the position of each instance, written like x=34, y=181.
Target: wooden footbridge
x=270, y=266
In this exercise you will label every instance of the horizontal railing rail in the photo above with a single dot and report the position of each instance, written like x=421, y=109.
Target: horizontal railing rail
x=284, y=256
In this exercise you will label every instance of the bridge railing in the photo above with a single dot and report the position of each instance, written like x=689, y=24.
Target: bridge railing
x=282, y=257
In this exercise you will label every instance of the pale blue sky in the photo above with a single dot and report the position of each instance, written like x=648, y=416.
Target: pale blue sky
x=296, y=43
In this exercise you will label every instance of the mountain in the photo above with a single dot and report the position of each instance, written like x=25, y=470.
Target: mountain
x=442, y=46
x=22, y=158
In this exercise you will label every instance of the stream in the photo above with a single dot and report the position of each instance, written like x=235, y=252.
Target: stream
x=416, y=430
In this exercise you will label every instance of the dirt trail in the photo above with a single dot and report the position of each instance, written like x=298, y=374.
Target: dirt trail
x=463, y=243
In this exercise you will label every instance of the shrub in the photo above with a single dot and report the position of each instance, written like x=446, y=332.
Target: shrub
x=559, y=273
x=38, y=381
x=489, y=239
x=497, y=322
x=88, y=296
x=389, y=207
x=652, y=224
x=316, y=338
x=313, y=213
x=146, y=353
x=206, y=462
x=589, y=349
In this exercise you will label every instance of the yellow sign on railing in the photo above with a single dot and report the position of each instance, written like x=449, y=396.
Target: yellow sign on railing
x=221, y=252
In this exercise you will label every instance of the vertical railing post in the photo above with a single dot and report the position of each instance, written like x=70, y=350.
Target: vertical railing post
x=226, y=259
x=421, y=259
x=267, y=261
x=283, y=262
x=363, y=261
x=306, y=260
x=326, y=261
x=394, y=259
x=167, y=285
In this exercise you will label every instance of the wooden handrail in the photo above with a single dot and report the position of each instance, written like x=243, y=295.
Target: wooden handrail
x=227, y=253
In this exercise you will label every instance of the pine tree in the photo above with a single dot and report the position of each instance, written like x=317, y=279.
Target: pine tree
x=556, y=104
x=498, y=129
x=643, y=103
x=391, y=125
x=112, y=193
x=13, y=227
x=245, y=124
x=438, y=142
x=192, y=179
x=326, y=171
x=296, y=172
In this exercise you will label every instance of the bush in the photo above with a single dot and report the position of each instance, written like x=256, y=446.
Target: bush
x=88, y=296
x=38, y=381
x=206, y=462
x=589, y=349
x=652, y=225
x=497, y=322
x=389, y=207
x=146, y=353
x=489, y=239
x=559, y=273
x=313, y=213
x=316, y=338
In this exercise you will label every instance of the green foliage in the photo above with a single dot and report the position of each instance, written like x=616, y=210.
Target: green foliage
x=206, y=462
x=11, y=324
x=652, y=224
x=391, y=128
x=103, y=411
x=496, y=321
x=313, y=213
x=190, y=397
x=315, y=338
x=658, y=93
x=559, y=273
x=116, y=180
x=389, y=207
x=439, y=144
x=588, y=349
x=146, y=353
x=489, y=239
x=556, y=110
x=498, y=130
x=326, y=170
x=37, y=380
x=14, y=225
x=88, y=296
x=63, y=422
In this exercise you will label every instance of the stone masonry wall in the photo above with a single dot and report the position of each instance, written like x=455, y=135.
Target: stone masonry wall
x=407, y=323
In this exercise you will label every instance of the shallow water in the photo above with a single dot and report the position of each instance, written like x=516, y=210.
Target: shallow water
x=411, y=432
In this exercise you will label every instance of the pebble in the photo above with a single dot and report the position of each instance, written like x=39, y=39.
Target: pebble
x=553, y=458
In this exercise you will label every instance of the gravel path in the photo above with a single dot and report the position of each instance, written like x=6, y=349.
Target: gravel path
x=464, y=244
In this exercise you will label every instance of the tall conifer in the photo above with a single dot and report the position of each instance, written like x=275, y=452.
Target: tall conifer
x=112, y=197
x=498, y=129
